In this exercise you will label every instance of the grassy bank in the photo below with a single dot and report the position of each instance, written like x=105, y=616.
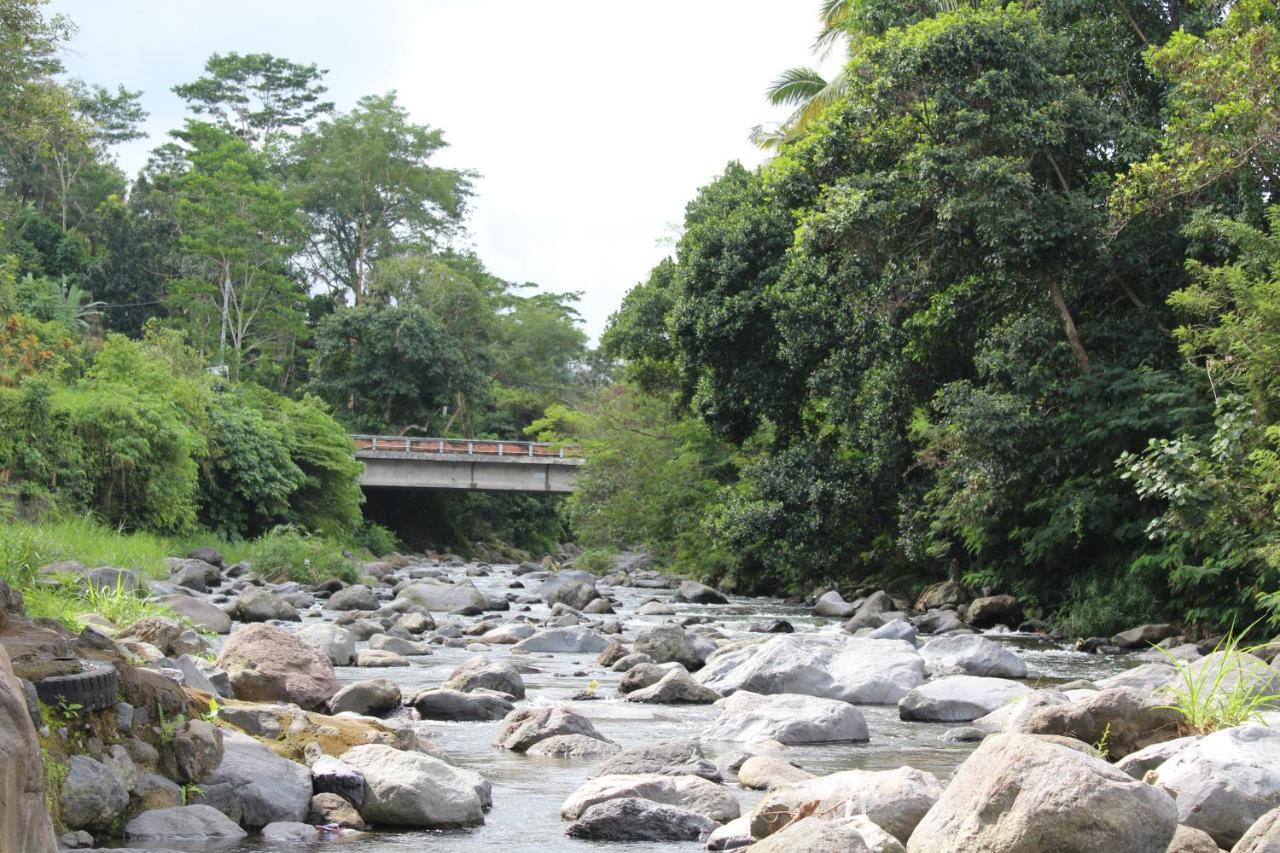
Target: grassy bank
x=281, y=554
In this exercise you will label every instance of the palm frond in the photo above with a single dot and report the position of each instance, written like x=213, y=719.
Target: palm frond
x=796, y=86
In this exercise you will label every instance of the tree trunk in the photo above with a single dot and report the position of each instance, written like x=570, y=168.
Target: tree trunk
x=1069, y=326
x=226, y=308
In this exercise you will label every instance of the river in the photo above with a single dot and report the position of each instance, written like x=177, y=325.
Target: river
x=528, y=791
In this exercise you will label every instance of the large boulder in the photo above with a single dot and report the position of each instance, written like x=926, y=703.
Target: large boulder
x=1263, y=836
x=375, y=697
x=1228, y=673
x=1148, y=676
x=183, y=823
x=895, y=800
x=253, y=786
x=832, y=604
x=574, y=639
x=638, y=819
x=687, y=792
x=569, y=587
x=697, y=593
x=1143, y=636
x=524, y=727
x=444, y=704
x=946, y=594
x=354, y=597
x=668, y=758
x=971, y=654
x=199, y=612
x=861, y=671
x=255, y=604
x=269, y=664
x=331, y=776
x=1127, y=719
x=1025, y=794
x=335, y=642
x=959, y=698
x=766, y=772
x=675, y=688
x=413, y=789
x=196, y=750
x=92, y=796
x=481, y=673
x=1225, y=781
x=787, y=718
x=25, y=826
x=672, y=644
x=434, y=595
x=992, y=610
x=856, y=834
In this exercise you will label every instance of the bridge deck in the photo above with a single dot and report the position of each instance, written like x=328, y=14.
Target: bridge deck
x=473, y=464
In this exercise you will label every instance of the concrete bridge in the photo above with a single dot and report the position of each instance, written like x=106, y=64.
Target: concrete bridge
x=487, y=465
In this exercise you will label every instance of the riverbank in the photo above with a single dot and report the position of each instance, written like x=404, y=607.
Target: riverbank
x=516, y=704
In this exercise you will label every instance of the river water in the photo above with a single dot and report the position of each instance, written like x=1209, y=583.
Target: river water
x=528, y=791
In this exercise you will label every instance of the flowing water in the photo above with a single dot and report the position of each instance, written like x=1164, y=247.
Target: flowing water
x=528, y=791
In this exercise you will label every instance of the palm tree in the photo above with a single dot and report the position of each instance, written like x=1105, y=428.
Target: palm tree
x=804, y=88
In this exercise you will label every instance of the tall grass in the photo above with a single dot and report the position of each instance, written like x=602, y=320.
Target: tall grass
x=24, y=548
x=1229, y=687
x=286, y=553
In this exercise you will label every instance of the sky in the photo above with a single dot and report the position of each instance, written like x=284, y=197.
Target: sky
x=592, y=123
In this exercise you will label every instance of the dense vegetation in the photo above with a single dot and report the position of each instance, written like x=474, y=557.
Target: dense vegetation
x=187, y=350
x=1002, y=307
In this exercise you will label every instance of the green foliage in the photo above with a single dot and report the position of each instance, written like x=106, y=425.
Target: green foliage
x=389, y=368
x=1231, y=691
x=376, y=539
x=286, y=553
x=649, y=479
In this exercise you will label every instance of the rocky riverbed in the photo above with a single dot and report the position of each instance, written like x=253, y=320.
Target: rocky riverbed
x=459, y=706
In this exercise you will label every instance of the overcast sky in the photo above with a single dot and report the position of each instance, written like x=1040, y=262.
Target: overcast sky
x=591, y=122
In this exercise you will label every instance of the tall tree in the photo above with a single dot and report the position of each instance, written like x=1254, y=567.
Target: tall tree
x=238, y=232
x=367, y=184
x=257, y=96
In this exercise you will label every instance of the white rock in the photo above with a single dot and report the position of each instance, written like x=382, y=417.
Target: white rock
x=412, y=789
x=1225, y=781
x=895, y=800
x=1026, y=794
x=972, y=654
x=959, y=698
x=862, y=671
x=688, y=792
x=787, y=718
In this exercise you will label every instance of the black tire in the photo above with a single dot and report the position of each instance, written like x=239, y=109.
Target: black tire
x=93, y=690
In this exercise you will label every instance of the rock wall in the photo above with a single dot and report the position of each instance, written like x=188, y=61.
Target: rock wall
x=25, y=826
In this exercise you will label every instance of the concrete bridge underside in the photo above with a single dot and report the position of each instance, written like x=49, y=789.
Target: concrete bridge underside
x=476, y=472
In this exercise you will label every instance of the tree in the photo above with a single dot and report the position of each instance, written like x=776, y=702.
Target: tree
x=77, y=149
x=257, y=96
x=238, y=232
x=30, y=99
x=366, y=183
x=391, y=368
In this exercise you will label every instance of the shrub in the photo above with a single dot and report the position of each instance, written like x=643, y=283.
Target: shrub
x=376, y=539
x=288, y=553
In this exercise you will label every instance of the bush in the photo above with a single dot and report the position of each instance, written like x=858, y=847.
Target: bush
x=376, y=539
x=286, y=553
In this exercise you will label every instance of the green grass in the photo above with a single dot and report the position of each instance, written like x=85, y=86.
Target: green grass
x=1210, y=698
x=288, y=554
x=282, y=554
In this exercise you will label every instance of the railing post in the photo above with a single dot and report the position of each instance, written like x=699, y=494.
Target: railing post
x=471, y=448
x=440, y=445
x=561, y=451
x=373, y=443
x=499, y=448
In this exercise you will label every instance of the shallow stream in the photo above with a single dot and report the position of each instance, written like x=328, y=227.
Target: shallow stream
x=528, y=791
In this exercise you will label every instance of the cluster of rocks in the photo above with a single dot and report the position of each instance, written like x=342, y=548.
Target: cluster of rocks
x=270, y=738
